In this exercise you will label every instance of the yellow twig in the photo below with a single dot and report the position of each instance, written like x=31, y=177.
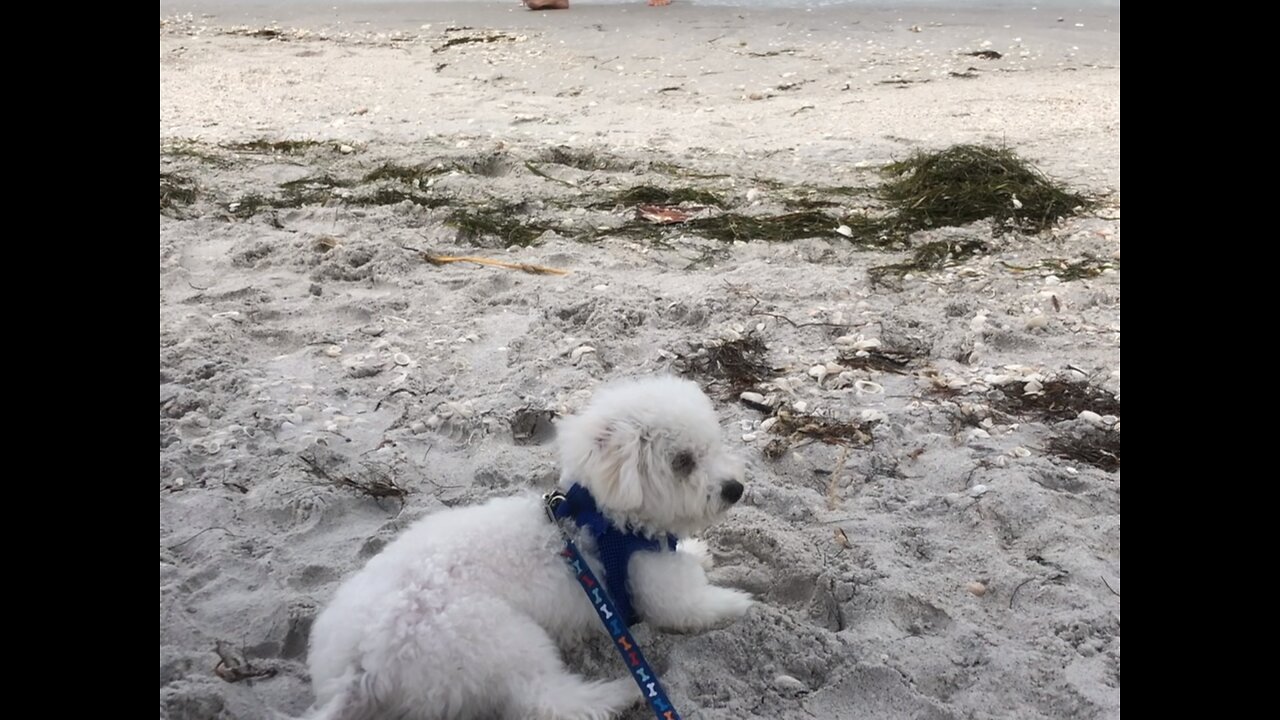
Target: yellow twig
x=522, y=267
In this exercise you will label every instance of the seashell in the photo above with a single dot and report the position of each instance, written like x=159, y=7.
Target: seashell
x=768, y=423
x=581, y=350
x=1021, y=452
x=1090, y=417
x=752, y=397
x=976, y=588
x=818, y=372
x=401, y=358
x=857, y=342
x=843, y=380
x=1036, y=321
x=789, y=686
x=977, y=491
x=845, y=230
x=868, y=387
x=1033, y=387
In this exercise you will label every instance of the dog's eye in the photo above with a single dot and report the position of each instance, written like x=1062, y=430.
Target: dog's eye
x=683, y=462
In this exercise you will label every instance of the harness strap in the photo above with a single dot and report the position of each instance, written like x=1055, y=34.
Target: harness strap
x=612, y=620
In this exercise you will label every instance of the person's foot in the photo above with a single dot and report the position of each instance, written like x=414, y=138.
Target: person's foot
x=657, y=3
x=551, y=4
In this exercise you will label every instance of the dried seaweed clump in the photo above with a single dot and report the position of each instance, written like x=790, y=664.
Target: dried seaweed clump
x=889, y=361
x=588, y=160
x=498, y=220
x=1097, y=447
x=411, y=174
x=967, y=183
x=1056, y=400
x=796, y=428
x=1061, y=400
x=654, y=195
x=733, y=365
x=934, y=255
x=365, y=479
x=730, y=227
x=175, y=191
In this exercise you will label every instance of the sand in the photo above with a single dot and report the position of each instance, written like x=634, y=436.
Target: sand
x=321, y=386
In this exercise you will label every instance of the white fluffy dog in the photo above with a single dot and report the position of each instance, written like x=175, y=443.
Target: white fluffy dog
x=460, y=617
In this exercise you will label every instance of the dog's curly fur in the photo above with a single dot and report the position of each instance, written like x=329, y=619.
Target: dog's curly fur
x=460, y=617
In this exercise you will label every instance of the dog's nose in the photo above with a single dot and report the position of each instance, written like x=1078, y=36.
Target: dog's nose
x=731, y=491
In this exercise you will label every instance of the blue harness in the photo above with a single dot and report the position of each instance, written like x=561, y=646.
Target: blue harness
x=612, y=602
x=614, y=546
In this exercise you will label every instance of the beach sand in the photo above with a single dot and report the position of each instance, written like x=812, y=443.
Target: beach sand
x=322, y=386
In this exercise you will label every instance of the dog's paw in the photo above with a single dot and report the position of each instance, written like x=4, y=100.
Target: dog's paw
x=716, y=607
x=728, y=605
x=698, y=550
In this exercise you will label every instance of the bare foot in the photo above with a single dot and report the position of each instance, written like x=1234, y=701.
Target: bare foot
x=659, y=3
x=549, y=4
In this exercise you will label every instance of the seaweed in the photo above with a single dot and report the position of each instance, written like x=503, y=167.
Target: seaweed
x=967, y=183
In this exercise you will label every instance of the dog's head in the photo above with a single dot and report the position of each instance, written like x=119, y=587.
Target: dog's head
x=651, y=454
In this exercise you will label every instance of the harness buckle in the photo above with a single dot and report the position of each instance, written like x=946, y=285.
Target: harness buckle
x=550, y=502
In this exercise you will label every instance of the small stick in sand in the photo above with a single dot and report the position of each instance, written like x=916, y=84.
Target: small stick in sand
x=1104, y=582
x=522, y=267
x=1013, y=596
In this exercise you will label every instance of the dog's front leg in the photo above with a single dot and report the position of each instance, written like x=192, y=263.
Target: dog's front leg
x=671, y=591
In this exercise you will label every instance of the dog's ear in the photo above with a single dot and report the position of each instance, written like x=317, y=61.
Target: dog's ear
x=622, y=448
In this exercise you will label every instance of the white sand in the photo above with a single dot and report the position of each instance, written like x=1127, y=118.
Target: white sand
x=273, y=348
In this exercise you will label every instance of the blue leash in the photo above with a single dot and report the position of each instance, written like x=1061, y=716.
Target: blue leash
x=613, y=622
